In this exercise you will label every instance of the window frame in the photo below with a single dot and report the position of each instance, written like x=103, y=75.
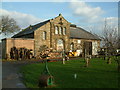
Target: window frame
x=56, y=30
x=64, y=30
x=60, y=30
x=44, y=35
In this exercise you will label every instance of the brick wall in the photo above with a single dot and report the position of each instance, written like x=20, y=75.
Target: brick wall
x=16, y=42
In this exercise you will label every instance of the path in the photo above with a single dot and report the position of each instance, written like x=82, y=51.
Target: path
x=11, y=78
x=10, y=75
x=0, y=75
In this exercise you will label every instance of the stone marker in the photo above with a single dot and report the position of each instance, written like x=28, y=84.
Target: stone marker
x=75, y=76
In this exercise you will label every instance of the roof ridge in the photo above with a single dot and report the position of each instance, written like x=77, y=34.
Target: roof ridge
x=34, y=27
x=41, y=22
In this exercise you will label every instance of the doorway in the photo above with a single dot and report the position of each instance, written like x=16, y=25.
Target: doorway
x=87, y=48
x=60, y=45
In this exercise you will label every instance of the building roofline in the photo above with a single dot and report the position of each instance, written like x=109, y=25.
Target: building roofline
x=18, y=39
x=84, y=38
x=33, y=28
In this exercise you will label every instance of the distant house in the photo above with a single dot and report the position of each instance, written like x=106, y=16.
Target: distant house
x=56, y=33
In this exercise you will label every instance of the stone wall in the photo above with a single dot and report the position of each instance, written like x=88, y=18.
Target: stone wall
x=79, y=45
x=8, y=43
x=38, y=36
x=52, y=38
x=60, y=22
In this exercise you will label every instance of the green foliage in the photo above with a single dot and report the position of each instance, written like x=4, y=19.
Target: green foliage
x=97, y=75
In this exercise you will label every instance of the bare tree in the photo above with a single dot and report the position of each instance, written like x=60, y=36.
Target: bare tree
x=8, y=25
x=110, y=39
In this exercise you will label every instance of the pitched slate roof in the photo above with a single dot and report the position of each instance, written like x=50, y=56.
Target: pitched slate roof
x=30, y=29
x=79, y=33
x=75, y=32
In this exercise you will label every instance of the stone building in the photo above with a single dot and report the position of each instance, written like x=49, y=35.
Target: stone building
x=56, y=33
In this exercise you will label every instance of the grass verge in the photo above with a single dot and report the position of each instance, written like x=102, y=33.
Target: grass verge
x=99, y=74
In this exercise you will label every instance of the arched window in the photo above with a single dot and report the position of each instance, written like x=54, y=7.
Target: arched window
x=60, y=30
x=44, y=35
x=60, y=45
x=56, y=29
x=64, y=30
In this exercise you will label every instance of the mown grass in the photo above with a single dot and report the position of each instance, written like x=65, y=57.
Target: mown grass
x=98, y=75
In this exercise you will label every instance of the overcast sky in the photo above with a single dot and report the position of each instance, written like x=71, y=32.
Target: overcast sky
x=88, y=15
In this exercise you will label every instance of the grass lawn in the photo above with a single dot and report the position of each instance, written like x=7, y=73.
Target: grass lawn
x=98, y=75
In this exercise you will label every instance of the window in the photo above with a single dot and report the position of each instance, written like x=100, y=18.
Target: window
x=60, y=30
x=44, y=35
x=72, y=46
x=64, y=30
x=79, y=41
x=56, y=29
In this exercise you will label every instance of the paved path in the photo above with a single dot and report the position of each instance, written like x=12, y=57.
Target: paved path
x=0, y=66
x=0, y=75
x=10, y=75
x=11, y=78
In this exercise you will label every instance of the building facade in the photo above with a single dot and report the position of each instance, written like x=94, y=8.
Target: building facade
x=58, y=34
